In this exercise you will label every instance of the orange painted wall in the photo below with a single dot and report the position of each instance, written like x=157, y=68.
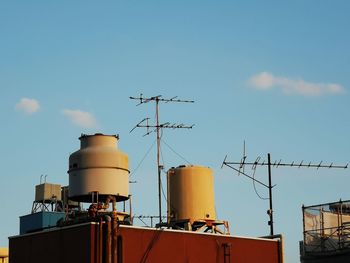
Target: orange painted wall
x=170, y=246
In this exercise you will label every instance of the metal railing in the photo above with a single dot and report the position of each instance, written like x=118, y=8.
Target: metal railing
x=326, y=227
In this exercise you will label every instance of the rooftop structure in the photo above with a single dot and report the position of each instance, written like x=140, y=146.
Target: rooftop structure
x=99, y=175
x=107, y=241
x=326, y=233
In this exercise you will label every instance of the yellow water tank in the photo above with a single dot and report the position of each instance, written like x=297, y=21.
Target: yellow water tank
x=191, y=194
x=98, y=167
x=4, y=255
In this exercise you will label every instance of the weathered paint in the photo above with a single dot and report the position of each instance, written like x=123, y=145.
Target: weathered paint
x=181, y=246
x=62, y=245
x=87, y=243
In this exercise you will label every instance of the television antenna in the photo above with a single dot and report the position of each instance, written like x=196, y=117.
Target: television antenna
x=269, y=165
x=157, y=128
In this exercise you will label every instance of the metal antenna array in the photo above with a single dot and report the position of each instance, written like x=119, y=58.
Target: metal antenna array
x=274, y=164
x=156, y=128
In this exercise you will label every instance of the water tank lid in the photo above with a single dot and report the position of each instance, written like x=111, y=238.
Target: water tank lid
x=97, y=134
x=191, y=165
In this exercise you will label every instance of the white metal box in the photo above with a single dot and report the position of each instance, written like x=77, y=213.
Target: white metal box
x=47, y=191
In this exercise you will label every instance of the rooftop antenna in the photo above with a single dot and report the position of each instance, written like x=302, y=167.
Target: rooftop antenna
x=156, y=128
x=275, y=164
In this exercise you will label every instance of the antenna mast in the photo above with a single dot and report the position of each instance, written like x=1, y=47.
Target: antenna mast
x=275, y=164
x=157, y=128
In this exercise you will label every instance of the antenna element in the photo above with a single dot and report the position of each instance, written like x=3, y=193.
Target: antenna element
x=156, y=128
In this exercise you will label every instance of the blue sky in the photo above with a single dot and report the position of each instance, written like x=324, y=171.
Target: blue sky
x=272, y=73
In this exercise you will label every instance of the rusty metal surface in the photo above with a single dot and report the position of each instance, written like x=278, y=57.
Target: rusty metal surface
x=108, y=242
x=171, y=247
x=68, y=245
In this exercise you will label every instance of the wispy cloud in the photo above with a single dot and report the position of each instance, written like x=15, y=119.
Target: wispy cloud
x=80, y=118
x=267, y=81
x=28, y=106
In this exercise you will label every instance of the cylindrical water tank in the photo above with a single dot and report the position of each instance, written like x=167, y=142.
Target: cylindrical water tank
x=191, y=194
x=98, y=167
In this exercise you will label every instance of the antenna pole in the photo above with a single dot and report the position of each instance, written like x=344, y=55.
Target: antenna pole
x=270, y=211
x=158, y=162
x=275, y=164
x=158, y=129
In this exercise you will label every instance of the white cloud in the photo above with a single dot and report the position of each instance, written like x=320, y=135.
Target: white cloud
x=80, y=118
x=266, y=81
x=28, y=106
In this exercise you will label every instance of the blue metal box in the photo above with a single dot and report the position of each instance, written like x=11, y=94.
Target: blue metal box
x=39, y=221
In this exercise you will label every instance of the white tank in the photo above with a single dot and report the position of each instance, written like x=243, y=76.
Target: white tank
x=191, y=194
x=98, y=167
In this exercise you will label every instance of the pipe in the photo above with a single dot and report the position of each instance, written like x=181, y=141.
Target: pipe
x=114, y=240
x=96, y=243
x=100, y=241
x=114, y=202
x=130, y=211
x=119, y=249
x=107, y=239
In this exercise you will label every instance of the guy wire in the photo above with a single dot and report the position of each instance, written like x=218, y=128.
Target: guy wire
x=143, y=158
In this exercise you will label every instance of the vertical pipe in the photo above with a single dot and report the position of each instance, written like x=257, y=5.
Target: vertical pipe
x=96, y=243
x=280, y=249
x=168, y=197
x=107, y=239
x=130, y=211
x=120, y=249
x=109, y=242
x=100, y=242
x=322, y=222
x=104, y=250
x=339, y=232
x=304, y=231
x=114, y=240
x=158, y=162
x=340, y=225
x=341, y=222
x=270, y=195
x=322, y=230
